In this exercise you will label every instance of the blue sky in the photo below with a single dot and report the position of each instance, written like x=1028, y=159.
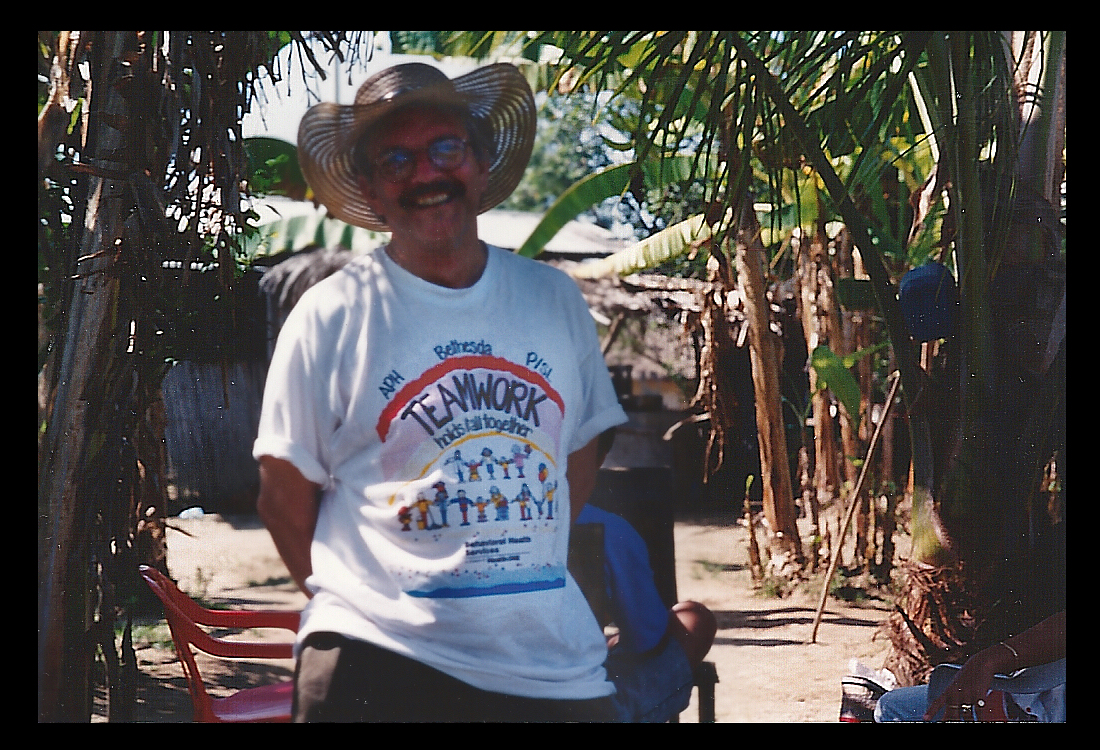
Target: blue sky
x=279, y=107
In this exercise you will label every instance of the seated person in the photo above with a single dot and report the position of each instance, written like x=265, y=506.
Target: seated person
x=968, y=696
x=652, y=657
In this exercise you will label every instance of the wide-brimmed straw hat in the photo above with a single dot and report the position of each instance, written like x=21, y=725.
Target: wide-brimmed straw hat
x=497, y=97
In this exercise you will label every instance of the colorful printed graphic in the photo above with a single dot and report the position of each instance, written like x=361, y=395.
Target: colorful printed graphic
x=466, y=430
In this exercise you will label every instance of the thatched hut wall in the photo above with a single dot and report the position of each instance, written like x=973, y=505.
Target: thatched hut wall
x=212, y=393
x=212, y=413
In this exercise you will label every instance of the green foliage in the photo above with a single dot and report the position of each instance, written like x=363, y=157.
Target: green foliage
x=569, y=145
x=833, y=373
x=273, y=167
x=604, y=184
x=475, y=44
x=660, y=248
x=296, y=232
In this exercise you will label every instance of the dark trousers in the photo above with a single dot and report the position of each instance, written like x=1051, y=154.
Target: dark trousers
x=339, y=679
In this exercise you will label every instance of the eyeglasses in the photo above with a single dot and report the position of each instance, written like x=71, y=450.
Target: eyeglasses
x=445, y=153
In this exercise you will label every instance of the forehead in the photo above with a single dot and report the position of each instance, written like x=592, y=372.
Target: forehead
x=415, y=126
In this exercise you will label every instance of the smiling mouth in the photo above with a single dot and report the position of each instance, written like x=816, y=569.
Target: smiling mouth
x=432, y=195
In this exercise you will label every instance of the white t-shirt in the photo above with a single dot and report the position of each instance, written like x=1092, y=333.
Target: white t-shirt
x=439, y=422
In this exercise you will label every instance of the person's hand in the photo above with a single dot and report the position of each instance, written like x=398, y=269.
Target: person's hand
x=966, y=695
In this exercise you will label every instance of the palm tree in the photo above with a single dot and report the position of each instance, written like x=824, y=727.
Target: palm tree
x=842, y=114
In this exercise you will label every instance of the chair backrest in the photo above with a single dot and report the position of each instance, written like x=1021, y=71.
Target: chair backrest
x=586, y=565
x=642, y=497
x=645, y=498
x=184, y=616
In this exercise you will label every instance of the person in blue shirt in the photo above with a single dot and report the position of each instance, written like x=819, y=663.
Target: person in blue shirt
x=652, y=657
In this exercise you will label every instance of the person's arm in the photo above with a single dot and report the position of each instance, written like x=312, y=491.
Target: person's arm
x=1044, y=643
x=580, y=473
x=288, y=505
x=583, y=467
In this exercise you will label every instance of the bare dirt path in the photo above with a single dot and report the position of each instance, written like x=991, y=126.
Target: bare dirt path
x=767, y=671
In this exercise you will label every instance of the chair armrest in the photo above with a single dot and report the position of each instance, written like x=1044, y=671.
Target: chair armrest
x=232, y=618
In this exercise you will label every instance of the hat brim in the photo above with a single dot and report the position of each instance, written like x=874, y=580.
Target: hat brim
x=496, y=95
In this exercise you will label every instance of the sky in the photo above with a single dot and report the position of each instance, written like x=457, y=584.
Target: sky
x=279, y=107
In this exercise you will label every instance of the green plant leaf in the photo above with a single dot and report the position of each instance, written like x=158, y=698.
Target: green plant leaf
x=273, y=167
x=297, y=232
x=663, y=246
x=600, y=186
x=833, y=374
x=850, y=360
x=577, y=199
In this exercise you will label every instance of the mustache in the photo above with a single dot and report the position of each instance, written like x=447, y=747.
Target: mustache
x=453, y=188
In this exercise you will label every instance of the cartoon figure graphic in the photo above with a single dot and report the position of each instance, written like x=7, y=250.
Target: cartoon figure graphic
x=519, y=455
x=504, y=463
x=549, y=491
x=500, y=502
x=456, y=459
x=523, y=498
x=487, y=460
x=481, y=504
x=426, y=522
x=404, y=517
x=441, y=499
x=473, y=466
x=463, y=504
x=544, y=473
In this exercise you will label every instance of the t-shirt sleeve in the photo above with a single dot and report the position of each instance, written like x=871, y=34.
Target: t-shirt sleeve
x=296, y=415
x=599, y=409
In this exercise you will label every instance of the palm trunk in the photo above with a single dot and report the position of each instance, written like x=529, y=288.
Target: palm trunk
x=856, y=428
x=818, y=322
x=778, y=497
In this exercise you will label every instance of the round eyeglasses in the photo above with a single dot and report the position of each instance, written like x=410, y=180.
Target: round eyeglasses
x=446, y=153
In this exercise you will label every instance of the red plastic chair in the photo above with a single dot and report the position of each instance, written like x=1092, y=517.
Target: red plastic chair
x=268, y=703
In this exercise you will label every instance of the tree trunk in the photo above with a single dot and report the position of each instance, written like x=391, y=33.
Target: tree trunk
x=820, y=325
x=778, y=497
x=75, y=439
x=809, y=501
x=994, y=409
x=855, y=429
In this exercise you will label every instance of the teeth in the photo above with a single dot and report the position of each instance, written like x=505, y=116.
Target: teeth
x=433, y=200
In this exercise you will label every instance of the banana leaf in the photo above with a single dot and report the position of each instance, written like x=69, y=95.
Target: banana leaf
x=600, y=186
x=663, y=246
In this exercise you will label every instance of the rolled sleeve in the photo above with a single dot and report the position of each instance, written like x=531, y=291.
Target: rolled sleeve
x=297, y=418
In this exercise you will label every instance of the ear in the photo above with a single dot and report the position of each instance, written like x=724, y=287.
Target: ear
x=366, y=187
x=370, y=195
x=482, y=173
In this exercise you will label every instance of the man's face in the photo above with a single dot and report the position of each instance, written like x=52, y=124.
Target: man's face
x=429, y=204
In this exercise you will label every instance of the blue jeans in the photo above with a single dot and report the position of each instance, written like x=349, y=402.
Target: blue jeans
x=902, y=704
x=652, y=687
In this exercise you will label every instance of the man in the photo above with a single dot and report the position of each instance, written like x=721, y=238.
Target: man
x=383, y=373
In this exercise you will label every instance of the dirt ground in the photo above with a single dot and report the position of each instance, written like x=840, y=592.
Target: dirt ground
x=767, y=670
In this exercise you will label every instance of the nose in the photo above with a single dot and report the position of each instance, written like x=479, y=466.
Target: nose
x=423, y=168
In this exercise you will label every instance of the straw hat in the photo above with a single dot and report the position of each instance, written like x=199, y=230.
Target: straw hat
x=496, y=96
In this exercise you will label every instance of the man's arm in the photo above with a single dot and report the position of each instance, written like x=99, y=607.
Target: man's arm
x=581, y=471
x=288, y=506
x=581, y=475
